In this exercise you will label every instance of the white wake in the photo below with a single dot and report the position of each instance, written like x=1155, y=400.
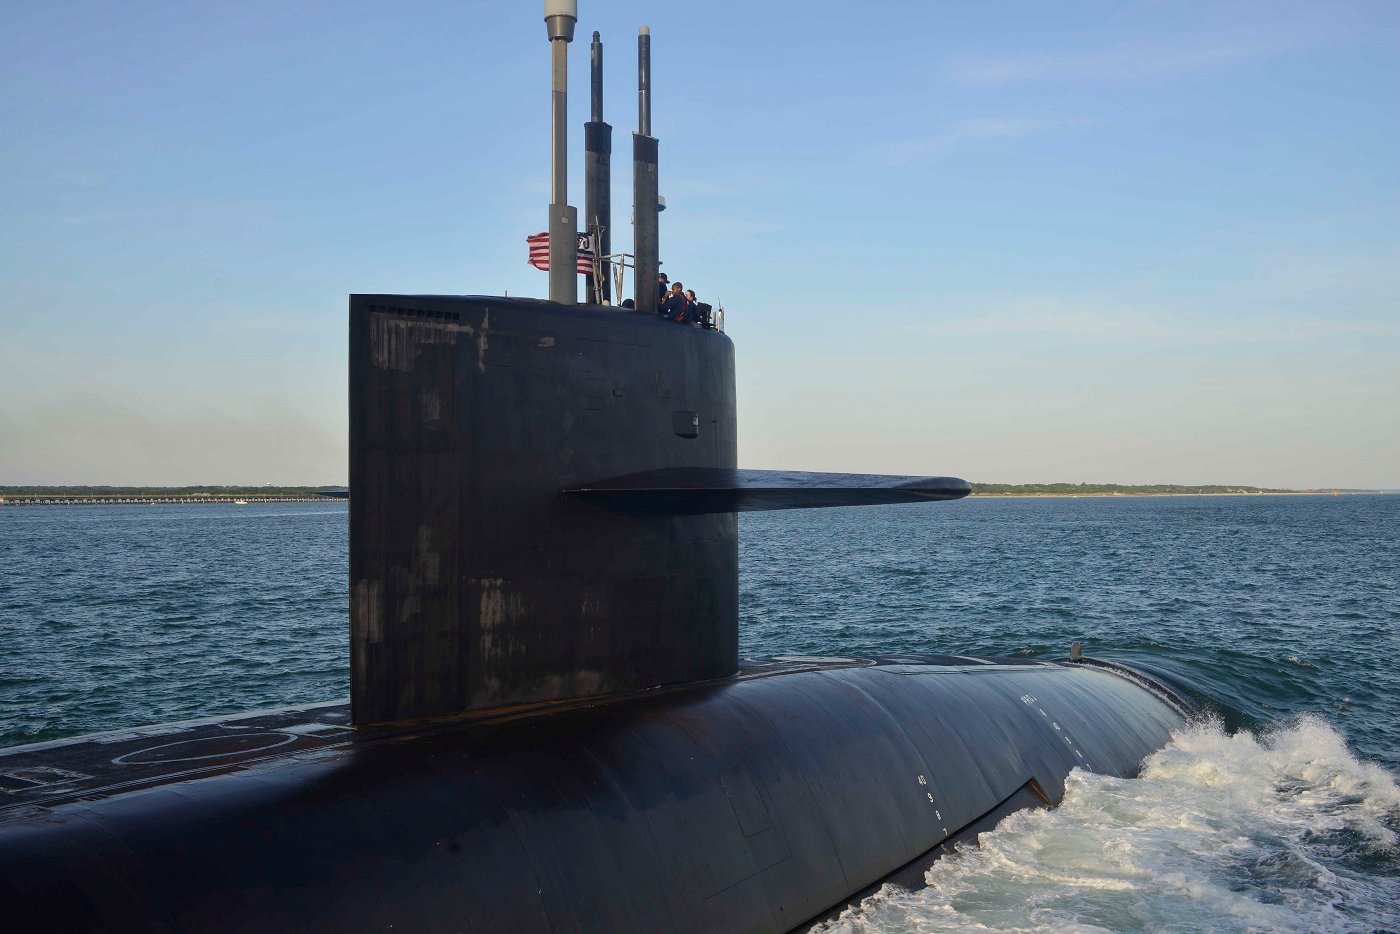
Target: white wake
x=1284, y=832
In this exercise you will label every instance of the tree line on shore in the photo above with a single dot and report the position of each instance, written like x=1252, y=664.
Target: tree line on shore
x=1117, y=489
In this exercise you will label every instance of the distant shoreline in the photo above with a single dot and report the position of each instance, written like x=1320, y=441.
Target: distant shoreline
x=134, y=496
x=1148, y=489
x=977, y=495
x=59, y=500
x=156, y=495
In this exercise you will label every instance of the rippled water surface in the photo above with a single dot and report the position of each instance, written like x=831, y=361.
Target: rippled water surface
x=1283, y=613
x=122, y=615
x=1267, y=605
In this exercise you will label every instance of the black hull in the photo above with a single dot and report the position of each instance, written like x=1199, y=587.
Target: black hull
x=755, y=803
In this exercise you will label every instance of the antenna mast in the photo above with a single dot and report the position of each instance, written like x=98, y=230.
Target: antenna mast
x=597, y=183
x=645, y=207
x=560, y=17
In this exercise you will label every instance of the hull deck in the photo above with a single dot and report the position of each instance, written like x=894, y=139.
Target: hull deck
x=88, y=768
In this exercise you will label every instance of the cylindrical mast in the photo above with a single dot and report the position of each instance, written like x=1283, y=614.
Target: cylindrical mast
x=644, y=82
x=597, y=180
x=644, y=185
x=595, y=55
x=560, y=17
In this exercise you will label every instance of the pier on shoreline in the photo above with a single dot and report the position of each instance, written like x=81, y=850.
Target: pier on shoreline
x=136, y=500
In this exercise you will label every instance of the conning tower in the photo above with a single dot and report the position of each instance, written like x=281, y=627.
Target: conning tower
x=544, y=503
x=545, y=493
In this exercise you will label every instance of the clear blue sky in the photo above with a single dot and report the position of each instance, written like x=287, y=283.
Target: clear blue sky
x=1114, y=242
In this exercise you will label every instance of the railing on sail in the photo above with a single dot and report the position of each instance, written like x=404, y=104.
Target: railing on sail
x=621, y=262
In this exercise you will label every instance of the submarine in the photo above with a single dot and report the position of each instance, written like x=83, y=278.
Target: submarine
x=549, y=726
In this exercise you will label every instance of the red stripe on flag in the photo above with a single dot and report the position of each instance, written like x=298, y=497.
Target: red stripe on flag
x=539, y=255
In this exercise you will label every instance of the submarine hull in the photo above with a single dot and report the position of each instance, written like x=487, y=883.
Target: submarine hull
x=751, y=803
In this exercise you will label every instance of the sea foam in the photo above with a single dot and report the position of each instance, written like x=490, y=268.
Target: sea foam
x=1287, y=831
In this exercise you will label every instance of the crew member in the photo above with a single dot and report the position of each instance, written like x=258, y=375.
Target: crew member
x=677, y=306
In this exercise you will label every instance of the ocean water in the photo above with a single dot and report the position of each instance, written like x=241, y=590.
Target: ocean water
x=1282, y=614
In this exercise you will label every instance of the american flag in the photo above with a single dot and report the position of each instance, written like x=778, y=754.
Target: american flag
x=539, y=252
